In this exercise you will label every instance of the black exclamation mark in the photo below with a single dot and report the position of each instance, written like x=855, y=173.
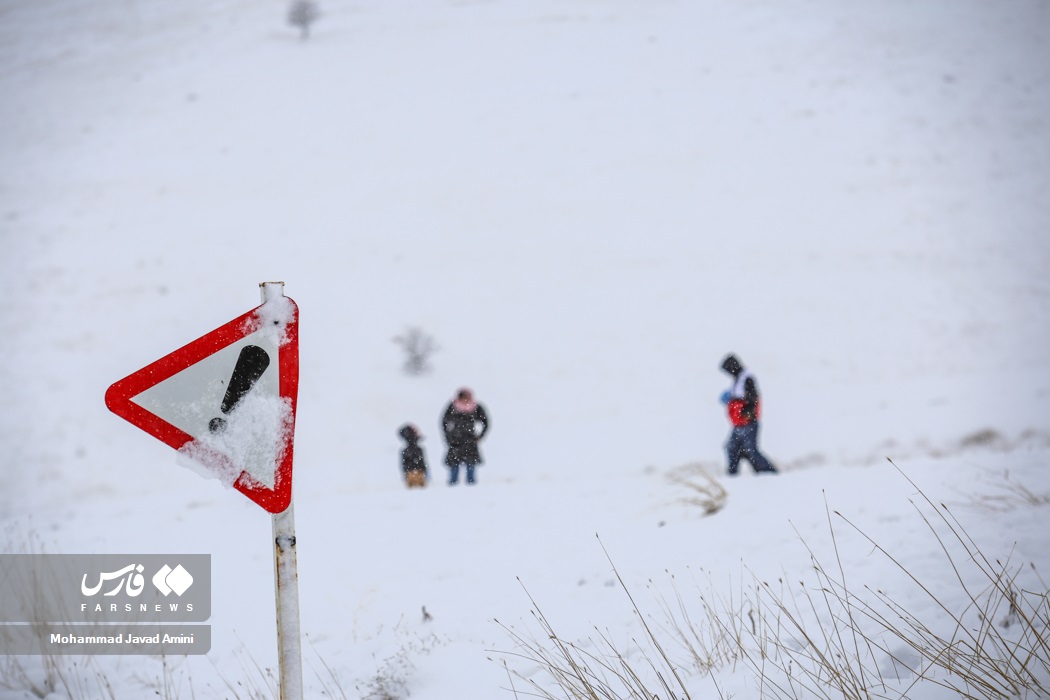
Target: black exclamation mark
x=251, y=363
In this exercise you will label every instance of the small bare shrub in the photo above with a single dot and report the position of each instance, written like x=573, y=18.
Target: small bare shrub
x=707, y=493
x=418, y=347
x=388, y=683
x=390, y=680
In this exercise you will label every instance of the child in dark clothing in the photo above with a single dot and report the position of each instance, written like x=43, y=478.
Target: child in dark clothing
x=413, y=462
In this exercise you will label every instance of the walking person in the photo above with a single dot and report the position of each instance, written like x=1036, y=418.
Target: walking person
x=413, y=461
x=464, y=424
x=744, y=409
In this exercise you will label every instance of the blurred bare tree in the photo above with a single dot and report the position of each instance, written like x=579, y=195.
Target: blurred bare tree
x=418, y=347
x=302, y=14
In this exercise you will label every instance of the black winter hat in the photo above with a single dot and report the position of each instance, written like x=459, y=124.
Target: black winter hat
x=409, y=432
x=731, y=364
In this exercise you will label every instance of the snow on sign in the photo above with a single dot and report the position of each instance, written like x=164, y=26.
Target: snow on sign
x=227, y=401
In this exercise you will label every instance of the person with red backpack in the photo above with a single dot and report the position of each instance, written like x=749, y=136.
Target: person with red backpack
x=744, y=409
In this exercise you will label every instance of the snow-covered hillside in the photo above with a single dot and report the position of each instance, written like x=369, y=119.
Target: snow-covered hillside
x=586, y=205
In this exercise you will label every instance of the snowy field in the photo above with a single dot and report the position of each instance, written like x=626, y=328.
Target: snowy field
x=586, y=205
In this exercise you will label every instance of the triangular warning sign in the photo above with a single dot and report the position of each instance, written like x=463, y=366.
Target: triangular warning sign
x=227, y=401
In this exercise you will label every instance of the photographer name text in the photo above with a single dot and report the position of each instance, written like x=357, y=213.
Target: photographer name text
x=58, y=638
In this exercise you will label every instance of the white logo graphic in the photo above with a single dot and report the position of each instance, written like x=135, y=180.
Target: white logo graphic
x=135, y=582
x=169, y=580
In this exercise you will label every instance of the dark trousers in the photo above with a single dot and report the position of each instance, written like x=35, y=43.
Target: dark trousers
x=453, y=473
x=743, y=443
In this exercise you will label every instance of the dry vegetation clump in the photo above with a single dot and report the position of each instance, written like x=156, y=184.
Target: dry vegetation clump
x=1002, y=495
x=705, y=492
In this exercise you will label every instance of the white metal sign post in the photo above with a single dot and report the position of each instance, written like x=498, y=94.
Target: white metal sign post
x=286, y=586
x=227, y=403
x=286, y=579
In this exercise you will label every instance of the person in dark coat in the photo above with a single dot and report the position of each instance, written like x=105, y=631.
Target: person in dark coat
x=744, y=409
x=464, y=424
x=413, y=461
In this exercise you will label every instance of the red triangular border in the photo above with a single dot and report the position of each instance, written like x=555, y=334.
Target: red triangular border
x=119, y=395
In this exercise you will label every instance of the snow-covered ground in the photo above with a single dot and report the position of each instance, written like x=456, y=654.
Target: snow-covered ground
x=586, y=205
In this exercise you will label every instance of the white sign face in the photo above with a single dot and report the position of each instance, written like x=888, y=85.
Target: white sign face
x=245, y=425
